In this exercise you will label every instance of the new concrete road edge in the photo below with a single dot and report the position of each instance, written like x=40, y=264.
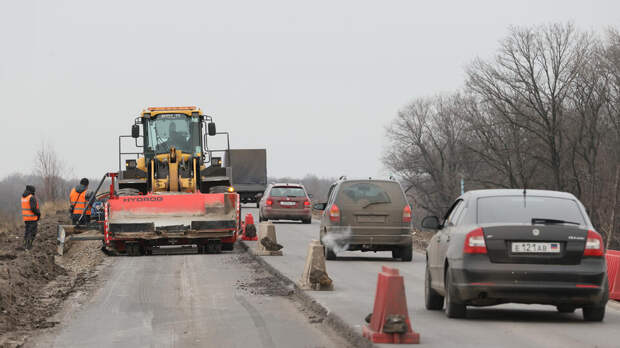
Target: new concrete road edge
x=349, y=333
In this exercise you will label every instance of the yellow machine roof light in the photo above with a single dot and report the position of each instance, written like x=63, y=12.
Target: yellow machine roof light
x=168, y=108
x=187, y=110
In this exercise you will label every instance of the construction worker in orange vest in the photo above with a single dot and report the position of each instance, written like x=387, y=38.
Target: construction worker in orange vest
x=78, y=202
x=31, y=215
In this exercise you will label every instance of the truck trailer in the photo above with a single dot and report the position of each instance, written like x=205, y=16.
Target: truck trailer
x=249, y=173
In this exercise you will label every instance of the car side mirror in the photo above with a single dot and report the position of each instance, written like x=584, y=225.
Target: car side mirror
x=309, y=195
x=211, y=129
x=319, y=206
x=431, y=223
x=259, y=195
x=135, y=131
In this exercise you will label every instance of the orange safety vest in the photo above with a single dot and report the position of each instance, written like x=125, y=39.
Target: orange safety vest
x=27, y=213
x=78, y=201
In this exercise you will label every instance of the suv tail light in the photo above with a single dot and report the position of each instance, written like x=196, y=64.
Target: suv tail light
x=269, y=202
x=474, y=242
x=334, y=213
x=594, y=244
x=307, y=204
x=407, y=213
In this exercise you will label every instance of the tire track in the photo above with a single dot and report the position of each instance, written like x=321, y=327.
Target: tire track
x=263, y=332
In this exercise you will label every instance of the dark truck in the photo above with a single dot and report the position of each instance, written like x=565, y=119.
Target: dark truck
x=249, y=173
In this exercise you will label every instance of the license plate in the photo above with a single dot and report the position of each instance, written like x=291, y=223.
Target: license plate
x=288, y=204
x=525, y=247
x=370, y=218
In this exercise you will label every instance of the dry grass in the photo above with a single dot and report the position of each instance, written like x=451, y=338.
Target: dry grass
x=8, y=223
x=12, y=222
x=51, y=208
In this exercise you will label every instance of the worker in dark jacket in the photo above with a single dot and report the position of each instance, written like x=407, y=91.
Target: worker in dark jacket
x=31, y=215
x=78, y=202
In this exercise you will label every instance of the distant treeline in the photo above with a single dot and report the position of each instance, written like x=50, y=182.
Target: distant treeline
x=317, y=187
x=543, y=113
x=12, y=187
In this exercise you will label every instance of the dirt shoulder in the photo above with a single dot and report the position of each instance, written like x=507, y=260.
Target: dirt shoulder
x=34, y=283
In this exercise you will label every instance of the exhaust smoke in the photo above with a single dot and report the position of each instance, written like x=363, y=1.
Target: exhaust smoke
x=337, y=240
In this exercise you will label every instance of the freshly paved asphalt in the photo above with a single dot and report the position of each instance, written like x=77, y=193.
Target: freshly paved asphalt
x=187, y=301
x=511, y=325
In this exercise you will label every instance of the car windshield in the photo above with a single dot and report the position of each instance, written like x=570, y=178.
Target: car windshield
x=369, y=193
x=521, y=210
x=282, y=191
x=169, y=130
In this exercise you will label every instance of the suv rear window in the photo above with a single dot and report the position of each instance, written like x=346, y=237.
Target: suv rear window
x=516, y=209
x=284, y=191
x=365, y=193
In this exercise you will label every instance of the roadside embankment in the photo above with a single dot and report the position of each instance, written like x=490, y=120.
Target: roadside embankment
x=34, y=283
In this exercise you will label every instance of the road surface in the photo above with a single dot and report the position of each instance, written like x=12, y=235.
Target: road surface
x=226, y=300
x=510, y=325
x=188, y=301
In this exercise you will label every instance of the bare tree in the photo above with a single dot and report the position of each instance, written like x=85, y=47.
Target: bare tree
x=528, y=83
x=612, y=222
x=505, y=148
x=544, y=113
x=587, y=128
x=50, y=169
x=608, y=211
x=426, y=150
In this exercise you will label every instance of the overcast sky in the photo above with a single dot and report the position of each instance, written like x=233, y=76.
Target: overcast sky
x=314, y=82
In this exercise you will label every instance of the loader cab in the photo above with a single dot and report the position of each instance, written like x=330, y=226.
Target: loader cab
x=162, y=132
x=173, y=151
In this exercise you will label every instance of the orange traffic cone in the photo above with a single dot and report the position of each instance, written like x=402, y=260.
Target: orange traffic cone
x=389, y=321
x=249, y=229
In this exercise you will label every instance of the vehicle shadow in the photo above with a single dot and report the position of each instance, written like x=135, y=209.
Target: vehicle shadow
x=523, y=315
